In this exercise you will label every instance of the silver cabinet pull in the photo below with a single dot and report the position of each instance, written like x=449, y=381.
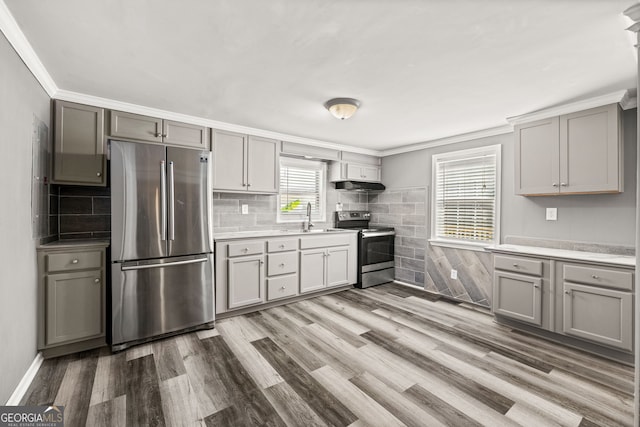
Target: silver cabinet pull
x=536, y=286
x=158, y=135
x=164, y=135
x=74, y=261
x=172, y=203
x=281, y=246
x=515, y=265
x=283, y=288
x=96, y=280
x=555, y=184
x=563, y=184
x=163, y=199
x=245, y=250
x=98, y=174
x=567, y=292
x=595, y=276
x=282, y=264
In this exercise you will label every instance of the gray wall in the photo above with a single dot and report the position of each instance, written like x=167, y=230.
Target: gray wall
x=20, y=98
x=604, y=219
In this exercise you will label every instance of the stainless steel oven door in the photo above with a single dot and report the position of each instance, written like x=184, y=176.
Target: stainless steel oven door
x=377, y=248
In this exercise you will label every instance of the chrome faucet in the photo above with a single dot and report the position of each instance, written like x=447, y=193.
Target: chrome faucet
x=306, y=225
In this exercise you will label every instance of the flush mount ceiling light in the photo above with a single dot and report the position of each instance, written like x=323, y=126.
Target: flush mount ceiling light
x=342, y=108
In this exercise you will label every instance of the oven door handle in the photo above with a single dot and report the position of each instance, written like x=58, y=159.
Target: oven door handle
x=378, y=234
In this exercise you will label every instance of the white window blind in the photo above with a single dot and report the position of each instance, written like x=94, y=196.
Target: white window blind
x=466, y=195
x=301, y=182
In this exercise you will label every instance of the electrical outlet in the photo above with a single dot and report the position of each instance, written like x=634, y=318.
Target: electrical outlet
x=245, y=209
x=454, y=274
x=552, y=214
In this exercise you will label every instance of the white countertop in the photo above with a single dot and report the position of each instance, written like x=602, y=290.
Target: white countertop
x=595, y=257
x=233, y=235
x=74, y=243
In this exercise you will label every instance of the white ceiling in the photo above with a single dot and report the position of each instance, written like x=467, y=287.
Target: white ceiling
x=423, y=69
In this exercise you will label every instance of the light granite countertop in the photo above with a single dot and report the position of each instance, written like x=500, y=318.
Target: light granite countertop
x=564, y=254
x=74, y=243
x=277, y=233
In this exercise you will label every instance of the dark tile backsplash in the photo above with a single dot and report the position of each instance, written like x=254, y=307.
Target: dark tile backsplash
x=84, y=212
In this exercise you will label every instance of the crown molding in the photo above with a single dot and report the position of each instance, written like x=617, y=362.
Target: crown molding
x=622, y=97
x=112, y=104
x=484, y=133
x=16, y=38
x=633, y=12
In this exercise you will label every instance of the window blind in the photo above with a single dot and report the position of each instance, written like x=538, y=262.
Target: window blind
x=301, y=182
x=466, y=198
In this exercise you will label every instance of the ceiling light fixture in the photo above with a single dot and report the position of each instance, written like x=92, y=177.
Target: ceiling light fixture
x=342, y=108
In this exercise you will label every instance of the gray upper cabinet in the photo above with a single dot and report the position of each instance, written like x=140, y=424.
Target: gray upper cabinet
x=144, y=128
x=575, y=153
x=244, y=163
x=79, y=155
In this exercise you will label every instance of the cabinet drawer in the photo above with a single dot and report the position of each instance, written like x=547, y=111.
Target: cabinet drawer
x=282, y=245
x=74, y=261
x=518, y=265
x=246, y=248
x=280, y=287
x=282, y=263
x=599, y=276
x=324, y=241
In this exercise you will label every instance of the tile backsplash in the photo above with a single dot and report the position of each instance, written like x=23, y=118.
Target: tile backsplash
x=228, y=217
x=84, y=212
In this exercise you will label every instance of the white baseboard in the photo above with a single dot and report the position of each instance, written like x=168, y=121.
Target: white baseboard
x=25, y=382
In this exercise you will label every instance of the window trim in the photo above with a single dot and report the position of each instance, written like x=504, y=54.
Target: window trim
x=495, y=149
x=323, y=189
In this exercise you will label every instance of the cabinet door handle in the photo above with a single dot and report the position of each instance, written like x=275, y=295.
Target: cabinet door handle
x=516, y=265
x=248, y=185
x=282, y=264
x=555, y=184
x=164, y=135
x=281, y=246
x=283, y=288
x=595, y=276
x=567, y=292
x=158, y=135
x=536, y=286
x=74, y=261
x=261, y=262
x=245, y=250
x=98, y=174
x=96, y=280
x=563, y=184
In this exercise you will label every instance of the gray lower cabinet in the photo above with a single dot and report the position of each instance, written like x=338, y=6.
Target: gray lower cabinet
x=575, y=153
x=244, y=163
x=252, y=272
x=246, y=280
x=518, y=296
x=590, y=302
x=79, y=149
x=597, y=304
x=71, y=298
x=144, y=128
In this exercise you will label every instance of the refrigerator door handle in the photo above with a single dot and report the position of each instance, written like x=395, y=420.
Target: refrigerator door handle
x=163, y=265
x=172, y=203
x=163, y=199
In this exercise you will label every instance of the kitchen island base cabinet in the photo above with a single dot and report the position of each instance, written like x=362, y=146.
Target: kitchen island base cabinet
x=71, y=298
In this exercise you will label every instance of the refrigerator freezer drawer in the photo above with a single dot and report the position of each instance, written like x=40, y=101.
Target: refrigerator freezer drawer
x=159, y=297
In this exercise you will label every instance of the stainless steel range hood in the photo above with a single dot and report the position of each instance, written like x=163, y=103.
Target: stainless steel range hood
x=359, y=186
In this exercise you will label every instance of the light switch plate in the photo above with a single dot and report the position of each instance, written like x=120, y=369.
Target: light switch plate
x=245, y=209
x=552, y=214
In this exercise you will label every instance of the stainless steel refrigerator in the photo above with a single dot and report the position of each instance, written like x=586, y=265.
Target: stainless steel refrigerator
x=161, y=242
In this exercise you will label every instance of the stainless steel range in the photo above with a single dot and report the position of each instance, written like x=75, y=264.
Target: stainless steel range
x=375, y=248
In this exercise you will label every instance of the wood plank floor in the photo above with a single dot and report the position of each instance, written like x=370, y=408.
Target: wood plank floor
x=383, y=356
